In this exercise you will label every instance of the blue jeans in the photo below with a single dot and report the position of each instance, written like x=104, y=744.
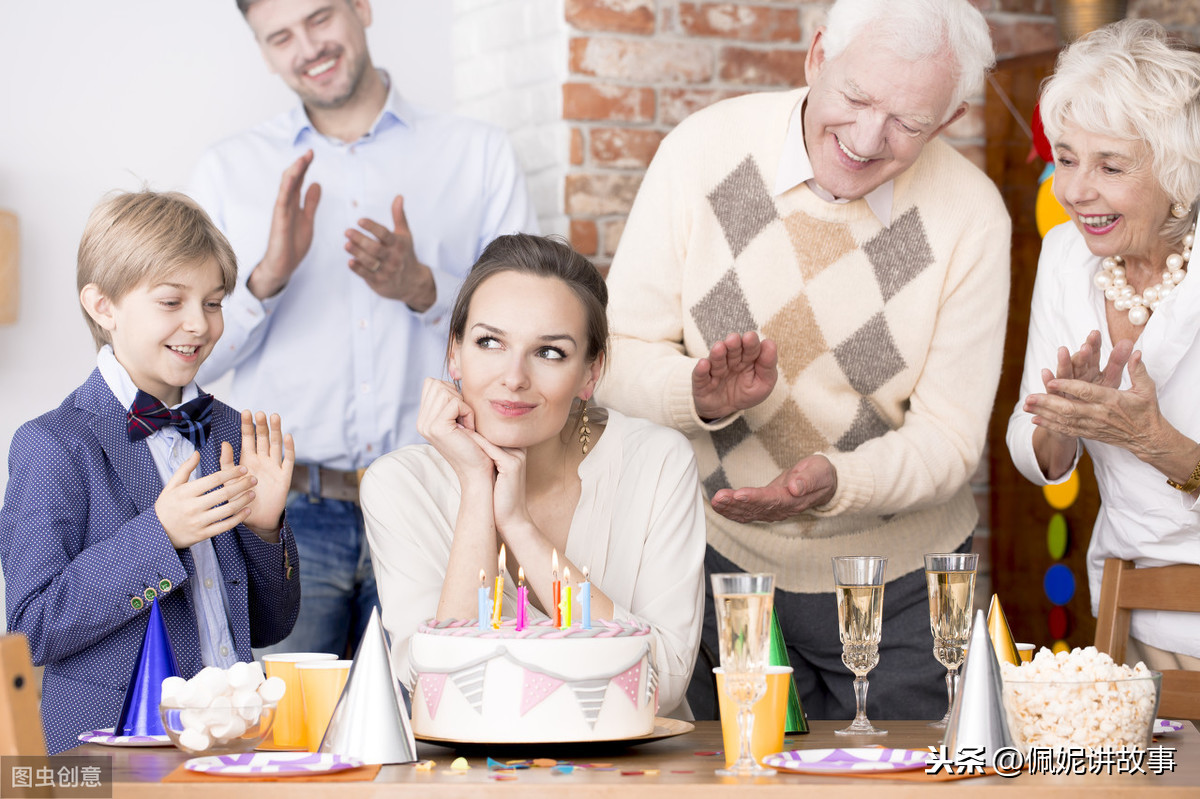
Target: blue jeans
x=337, y=583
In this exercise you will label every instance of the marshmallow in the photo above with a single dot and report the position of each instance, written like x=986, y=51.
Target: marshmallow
x=173, y=689
x=194, y=740
x=273, y=689
x=220, y=705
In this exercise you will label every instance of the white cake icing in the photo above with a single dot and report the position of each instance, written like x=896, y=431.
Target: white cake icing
x=541, y=684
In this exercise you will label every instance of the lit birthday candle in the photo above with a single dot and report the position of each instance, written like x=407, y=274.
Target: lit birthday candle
x=522, y=598
x=485, y=605
x=555, y=588
x=584, y=600
x=566, y=598
x=499, y=603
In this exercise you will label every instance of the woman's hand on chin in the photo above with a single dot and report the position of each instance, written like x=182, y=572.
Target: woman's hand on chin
x=447, y=422
x=508, y=494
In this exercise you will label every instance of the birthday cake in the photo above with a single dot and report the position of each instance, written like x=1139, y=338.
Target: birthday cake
x=539, y=684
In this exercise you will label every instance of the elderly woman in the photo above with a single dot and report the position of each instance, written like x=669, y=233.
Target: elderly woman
x=1122, y=112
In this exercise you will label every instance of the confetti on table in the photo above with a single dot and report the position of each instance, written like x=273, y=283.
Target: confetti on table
x=706, y=753
x=598, y=765
x=545, y=762
x=634, y=773
x=518, y=763
x=651, y=772
x=460, y=764
x=682, y=771
x=501, y=776
x=426, y=765
x=563, y=769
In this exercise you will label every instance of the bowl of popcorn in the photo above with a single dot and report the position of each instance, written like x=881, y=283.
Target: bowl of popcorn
x=220, y=711
x=1079, y=698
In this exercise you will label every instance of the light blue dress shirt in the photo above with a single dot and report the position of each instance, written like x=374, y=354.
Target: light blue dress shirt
x=170, y=449
x=342, y=365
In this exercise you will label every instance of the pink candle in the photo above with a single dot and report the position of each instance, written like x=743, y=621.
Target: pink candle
x=522, y=598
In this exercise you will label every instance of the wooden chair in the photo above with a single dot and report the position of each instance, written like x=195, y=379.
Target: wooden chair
x=1164, y=588
x=20, y=717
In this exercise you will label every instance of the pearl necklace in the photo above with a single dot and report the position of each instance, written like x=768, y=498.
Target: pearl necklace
x=1111, y=280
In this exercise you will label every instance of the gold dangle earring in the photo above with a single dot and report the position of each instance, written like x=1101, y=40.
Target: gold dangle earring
x=585, y=432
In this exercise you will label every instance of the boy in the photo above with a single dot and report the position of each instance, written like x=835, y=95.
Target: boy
x=113, y=500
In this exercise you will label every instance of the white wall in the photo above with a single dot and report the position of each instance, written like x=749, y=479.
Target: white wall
x=114, y=94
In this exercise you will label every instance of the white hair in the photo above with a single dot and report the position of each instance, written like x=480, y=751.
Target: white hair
x=1127, y=80
x=916, y=30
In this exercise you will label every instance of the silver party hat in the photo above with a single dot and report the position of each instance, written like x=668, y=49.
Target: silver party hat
x=370, y=721
x=977, y=718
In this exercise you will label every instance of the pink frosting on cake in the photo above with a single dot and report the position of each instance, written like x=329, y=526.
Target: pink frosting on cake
x=544, y=629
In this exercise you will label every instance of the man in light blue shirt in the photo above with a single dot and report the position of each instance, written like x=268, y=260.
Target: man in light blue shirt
x=348, y=266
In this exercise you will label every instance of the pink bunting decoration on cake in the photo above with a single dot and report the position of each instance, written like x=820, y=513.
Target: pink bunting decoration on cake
x=536, y=687
x=629, y=681
x=431, y=686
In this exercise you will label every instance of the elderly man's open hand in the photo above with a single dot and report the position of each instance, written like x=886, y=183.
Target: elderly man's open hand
x=809, y=483
x=738, y=373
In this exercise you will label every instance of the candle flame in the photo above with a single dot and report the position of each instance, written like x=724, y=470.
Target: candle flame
x=520, y=575
x=500, y=561
x=482, y=577
x=585, y=574
x=554, y=562
x=567, y=574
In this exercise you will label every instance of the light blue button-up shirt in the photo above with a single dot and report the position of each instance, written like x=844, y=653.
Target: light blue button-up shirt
x=170, y=449
x=342, y=365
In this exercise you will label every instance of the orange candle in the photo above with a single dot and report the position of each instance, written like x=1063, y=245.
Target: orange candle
x=555, y=588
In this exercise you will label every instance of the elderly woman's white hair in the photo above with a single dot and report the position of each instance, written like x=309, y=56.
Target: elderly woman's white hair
x=1129, y=81
x=916, y=30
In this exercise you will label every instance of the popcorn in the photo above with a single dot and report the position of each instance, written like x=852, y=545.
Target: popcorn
x=218, y=705
x=1080, y=698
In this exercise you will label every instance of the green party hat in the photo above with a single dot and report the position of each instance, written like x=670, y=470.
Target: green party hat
x=796, y=723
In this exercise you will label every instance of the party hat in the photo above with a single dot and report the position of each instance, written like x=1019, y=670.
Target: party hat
x=977, y=718
x=1001, y=635
x=370, y=722
x=796, y=722
x=156, y=662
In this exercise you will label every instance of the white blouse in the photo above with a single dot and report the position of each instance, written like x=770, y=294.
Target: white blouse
x=638, y=527
x=1141, y=518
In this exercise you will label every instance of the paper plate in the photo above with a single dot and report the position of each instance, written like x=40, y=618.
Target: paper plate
x=1164, y=727
x=846, y=761
x=277, y=764
x=106, y=738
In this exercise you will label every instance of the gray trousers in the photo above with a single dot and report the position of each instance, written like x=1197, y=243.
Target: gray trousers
x=908, y=683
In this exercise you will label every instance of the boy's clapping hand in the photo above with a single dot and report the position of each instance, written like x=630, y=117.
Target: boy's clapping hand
x=193, y=510
x=269, y=456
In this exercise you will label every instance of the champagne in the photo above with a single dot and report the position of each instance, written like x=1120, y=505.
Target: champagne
x=951, y=595
x=744, y=622
x=860, y=620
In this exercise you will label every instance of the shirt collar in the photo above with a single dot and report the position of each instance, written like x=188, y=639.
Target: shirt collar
x=796, y=168
x=396, y=111
x=122, y=385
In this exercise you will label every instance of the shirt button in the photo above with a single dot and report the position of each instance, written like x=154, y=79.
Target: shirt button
x=370, y=448
x=208, y=582
x=366, y=388
x=224, y=651
x=354, y=203
x=362, y=323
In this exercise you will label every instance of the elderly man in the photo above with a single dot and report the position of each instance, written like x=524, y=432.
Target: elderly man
x=873, y=260
x=338, y=314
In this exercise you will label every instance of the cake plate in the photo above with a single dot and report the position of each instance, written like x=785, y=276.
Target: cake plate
x=663, y=728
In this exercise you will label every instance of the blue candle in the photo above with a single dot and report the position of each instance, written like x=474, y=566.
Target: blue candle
x=485, y=604
x=584, y=600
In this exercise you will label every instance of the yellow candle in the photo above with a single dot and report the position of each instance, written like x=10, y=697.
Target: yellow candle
x=499, y=601
x=566, y=598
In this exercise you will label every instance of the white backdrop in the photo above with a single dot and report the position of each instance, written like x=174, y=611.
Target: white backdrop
x=121, y=93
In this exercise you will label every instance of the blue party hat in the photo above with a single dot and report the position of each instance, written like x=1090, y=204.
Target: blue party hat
x=156, y=662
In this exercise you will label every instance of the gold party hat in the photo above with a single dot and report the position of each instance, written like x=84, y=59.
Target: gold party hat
x=1001, y=635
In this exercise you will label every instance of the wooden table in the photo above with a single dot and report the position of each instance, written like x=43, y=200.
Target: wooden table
x=137, y=773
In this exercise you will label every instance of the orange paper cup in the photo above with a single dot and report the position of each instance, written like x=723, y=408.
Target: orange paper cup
x=1026, y=651
x=289, y=729
x=321, y=682
x=770, y=716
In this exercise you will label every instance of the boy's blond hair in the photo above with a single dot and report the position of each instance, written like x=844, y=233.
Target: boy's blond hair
x=132, y=237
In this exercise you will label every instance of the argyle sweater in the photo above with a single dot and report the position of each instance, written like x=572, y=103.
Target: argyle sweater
x=889, y=338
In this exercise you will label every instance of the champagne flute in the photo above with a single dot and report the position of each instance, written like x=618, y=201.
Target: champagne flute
x=950, y=579
x=743, y=608
x=859, y=581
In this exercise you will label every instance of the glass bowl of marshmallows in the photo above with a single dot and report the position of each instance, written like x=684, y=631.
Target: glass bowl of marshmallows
x=1079, y=699
x=220, y=711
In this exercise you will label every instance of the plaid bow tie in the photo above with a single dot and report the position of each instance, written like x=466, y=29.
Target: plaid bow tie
x=148, y=416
